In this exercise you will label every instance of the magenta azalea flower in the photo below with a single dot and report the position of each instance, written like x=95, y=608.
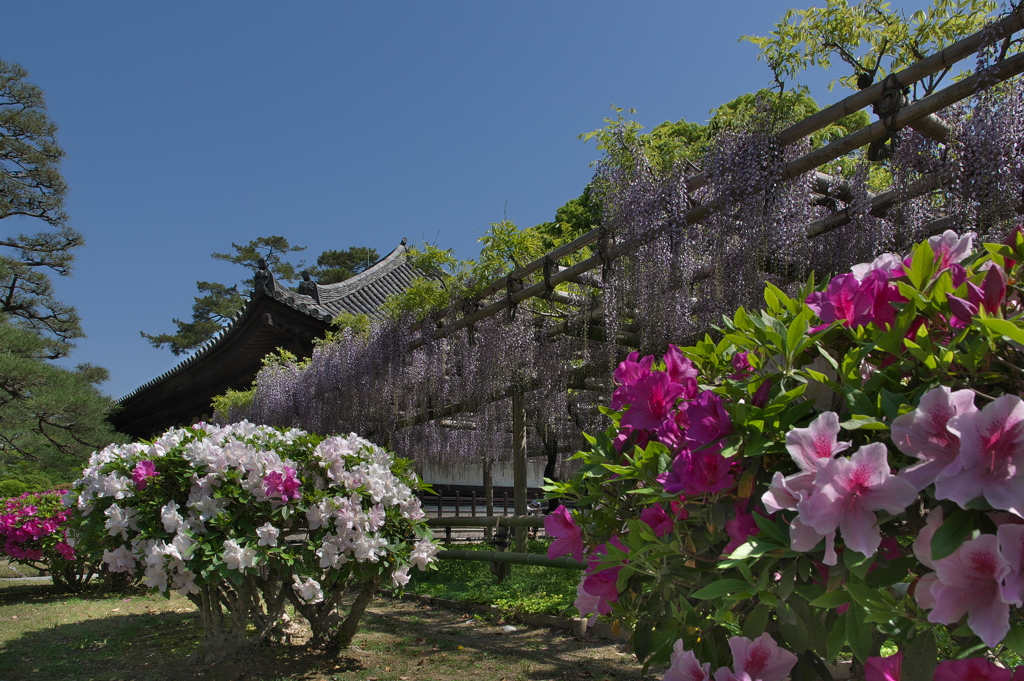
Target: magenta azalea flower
x=681, y=370
x=660, y=522
x=629, y=372
x=144, y=470
x=702, y=472
x=708, y=420
x=969, y=582
x=761, y=658
x=884, y=668
x=840, y=302
x=739, y=529
x=971, y=669
x=282, y=486
x=848, y=491
x=651, y=399
x=991, y=456
x=923, y=435
x=569, y=535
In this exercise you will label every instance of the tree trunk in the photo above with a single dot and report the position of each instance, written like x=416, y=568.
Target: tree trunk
x=347, y=631
x=488, y=494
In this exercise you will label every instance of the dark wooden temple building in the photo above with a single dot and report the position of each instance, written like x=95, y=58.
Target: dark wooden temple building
x=274, y=317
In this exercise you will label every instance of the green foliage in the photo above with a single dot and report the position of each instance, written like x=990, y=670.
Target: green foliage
x=529, y=589
x=51, y=418
x=872, y=39
x=227, y=406
x=31, y=186
x=684, y=585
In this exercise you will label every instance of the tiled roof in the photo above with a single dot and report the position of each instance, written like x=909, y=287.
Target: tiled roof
x=362, y=294
x=232, y=357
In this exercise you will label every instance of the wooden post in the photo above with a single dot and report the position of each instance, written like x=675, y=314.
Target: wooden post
x=488, y=494
x=519, y=463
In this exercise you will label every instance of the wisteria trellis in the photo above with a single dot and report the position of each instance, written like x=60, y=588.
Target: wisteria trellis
x=674, y=252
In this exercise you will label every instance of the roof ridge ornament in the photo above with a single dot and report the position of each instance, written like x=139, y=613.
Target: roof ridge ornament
x=264, y=279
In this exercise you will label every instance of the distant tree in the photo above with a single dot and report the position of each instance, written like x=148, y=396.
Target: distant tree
x=334, y=266
x=872, y=39
x=219, y=303
x=51, y=418
x=31, y=187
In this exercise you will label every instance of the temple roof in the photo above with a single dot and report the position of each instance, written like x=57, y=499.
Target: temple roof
x=273, y=317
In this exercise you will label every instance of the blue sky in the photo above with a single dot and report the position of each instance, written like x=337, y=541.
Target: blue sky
x=191, y=125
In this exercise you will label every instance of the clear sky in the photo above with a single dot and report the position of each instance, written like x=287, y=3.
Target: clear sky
x=189, y=126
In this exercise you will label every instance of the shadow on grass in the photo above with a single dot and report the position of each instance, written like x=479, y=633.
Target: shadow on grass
x=533, y=653
x=158, y=646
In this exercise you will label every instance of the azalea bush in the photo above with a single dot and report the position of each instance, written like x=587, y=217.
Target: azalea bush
x=33, y=532
x=837, y=471
x=246, y=519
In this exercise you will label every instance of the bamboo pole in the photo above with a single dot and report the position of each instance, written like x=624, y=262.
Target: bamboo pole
x=519, y=461
x=513, y=558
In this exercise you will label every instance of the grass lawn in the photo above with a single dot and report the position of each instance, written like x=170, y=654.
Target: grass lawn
x=48, y=635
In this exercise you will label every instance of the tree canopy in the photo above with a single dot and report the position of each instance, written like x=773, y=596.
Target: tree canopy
x=50, y=417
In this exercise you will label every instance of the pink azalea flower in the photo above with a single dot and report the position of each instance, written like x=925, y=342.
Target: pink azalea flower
x=143, y=471
x=815, y=445
x=761, y=658
x=65, y=550
x=1011, y=545
x=923, y=435
x=889, y=264
x=971, y=669
x=847, y=492
x=950, y=248
x=569, y=535
x=591, y=605
x=684, y=666
x=991, y=456
x=884, y=668
x=660, y=522
x=969, y=582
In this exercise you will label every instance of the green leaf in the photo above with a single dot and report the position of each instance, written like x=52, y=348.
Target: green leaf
x=1015, y=639
x=831, y=599
x=642, y=637
x=858, y=634
x=722, y=587
x=922, y=265
x=861, y=422
x=795, y=634
x=920, y=656
x=756, y=622
x=1003, y=327
x=837, y=637
x=952, y=534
